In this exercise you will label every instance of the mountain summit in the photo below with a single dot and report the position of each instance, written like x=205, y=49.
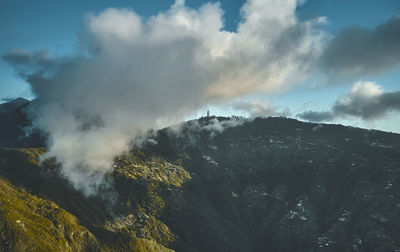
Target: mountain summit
x=13, y=105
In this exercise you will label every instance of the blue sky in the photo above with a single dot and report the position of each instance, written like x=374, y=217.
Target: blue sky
x=54, y=26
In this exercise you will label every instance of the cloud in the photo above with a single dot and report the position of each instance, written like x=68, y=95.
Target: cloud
x=366, y=100
x=137, y=73
x=18, y=56
x=192, y=132
x=215, y=126
x=27, y=62
x=260, y=108
x=358, y=52
x=317, y=116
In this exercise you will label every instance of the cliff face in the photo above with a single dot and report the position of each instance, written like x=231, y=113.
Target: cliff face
x=270, y=184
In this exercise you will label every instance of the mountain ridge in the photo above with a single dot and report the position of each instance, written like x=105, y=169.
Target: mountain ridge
x=269, y=184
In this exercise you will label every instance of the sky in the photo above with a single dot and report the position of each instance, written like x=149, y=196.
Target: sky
x=55, y=26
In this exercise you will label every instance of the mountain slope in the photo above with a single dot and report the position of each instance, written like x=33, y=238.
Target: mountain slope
x=28, y=223
x=270, y=184
x=298, y=186
x=89, y=216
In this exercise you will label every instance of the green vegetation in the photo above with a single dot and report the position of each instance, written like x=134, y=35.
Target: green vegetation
x=28, y=223
x=32, y=223
x=136, y=165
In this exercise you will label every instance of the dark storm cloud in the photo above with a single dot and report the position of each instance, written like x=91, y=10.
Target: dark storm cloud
x=357, y=52
x=366, y=100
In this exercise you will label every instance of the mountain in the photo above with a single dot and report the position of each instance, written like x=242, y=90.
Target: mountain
x=268, y=184
x=15, y=124
x=13, y=105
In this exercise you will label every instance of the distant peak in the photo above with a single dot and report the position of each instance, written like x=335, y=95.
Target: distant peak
x=11, y=106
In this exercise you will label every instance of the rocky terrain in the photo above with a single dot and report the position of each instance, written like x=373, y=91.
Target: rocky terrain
x=268, y=184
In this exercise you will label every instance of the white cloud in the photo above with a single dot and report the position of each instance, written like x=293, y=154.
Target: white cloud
x=260, y=108
x=120, y=24
x=366, y=100
x=145, y=74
